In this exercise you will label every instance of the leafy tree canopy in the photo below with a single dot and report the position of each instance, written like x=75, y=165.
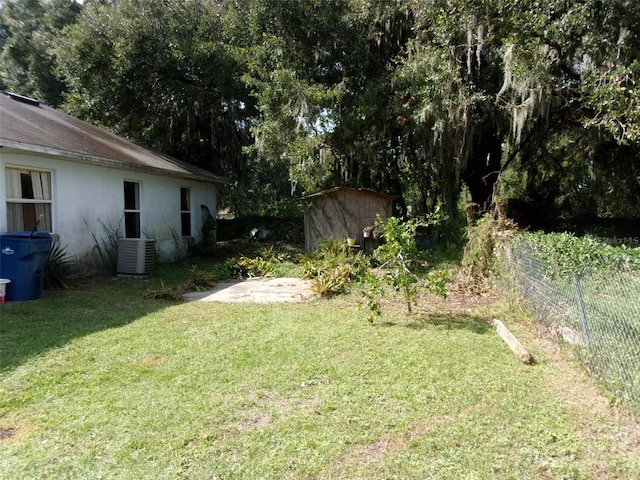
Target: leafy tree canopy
x=160, y=73
x=537, y=101
x=28, y=29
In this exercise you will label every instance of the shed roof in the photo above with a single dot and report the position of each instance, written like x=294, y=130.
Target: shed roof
x=27, y=125
x=362, y=191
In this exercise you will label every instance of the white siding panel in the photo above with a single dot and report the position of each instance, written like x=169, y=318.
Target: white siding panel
x=89, y=198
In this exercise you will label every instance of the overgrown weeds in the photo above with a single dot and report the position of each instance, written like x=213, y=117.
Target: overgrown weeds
x=333, y=268
x=333, y=281
x=484, y=237
x=106, y=246
x=164, y=292
x=255, y=267
x=269, y=261
x=197, y=281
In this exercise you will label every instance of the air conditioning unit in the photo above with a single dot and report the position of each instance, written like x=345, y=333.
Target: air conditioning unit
x=136, y=256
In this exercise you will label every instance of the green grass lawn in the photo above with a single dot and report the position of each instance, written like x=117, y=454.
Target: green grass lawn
x=102, y=382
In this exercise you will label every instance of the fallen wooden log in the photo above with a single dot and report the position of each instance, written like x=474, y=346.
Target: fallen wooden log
x=517, y=348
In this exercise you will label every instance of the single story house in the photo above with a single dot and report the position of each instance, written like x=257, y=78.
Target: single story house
x=87, y=186
x=341, y=213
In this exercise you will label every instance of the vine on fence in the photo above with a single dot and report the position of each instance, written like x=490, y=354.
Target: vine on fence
x=585, y=293
x=563, y=254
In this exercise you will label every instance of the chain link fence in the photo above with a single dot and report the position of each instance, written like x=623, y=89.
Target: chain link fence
x=596, y=314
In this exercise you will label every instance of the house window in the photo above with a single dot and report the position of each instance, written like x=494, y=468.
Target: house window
x=28, y=200
x=185, y=211
x=131, y=209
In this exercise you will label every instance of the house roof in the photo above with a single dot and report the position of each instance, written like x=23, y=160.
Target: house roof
x=361, y=191
x=27, y=125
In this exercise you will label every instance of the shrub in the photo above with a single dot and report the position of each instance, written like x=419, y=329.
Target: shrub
x=255, y=267
x=333, y=268
x=199, y=280
x=229, y=269
x=59, y=268
x=399, y=260
x=334, y=281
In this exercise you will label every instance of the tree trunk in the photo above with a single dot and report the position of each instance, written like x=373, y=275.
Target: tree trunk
x=483, y=167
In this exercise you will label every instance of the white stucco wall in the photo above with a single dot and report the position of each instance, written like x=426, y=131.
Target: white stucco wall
x=88, y=198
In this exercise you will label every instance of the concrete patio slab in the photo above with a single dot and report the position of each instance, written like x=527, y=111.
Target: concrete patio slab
x=257, y=290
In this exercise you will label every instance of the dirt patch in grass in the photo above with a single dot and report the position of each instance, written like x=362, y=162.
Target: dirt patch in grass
x=373, y=454
x=13, y=431
x=264, y=407
x=151, y=362
x=465, y=293
x=6, y=433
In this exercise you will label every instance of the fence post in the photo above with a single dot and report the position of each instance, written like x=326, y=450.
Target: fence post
x=583, y=314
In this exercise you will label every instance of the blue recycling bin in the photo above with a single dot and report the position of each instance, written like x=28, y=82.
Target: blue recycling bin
x=23, y=256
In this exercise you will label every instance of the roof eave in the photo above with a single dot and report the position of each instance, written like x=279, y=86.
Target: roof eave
x=110, y=162
x=335, y=190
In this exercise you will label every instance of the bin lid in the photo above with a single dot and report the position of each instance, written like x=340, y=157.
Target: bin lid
x=37, y=235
